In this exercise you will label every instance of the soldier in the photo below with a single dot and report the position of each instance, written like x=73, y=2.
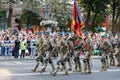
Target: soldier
x=108, y=48
x=77, y=49
x=87, y=51
x=117, y=54
x=70, y=45
x=39, y=51
x=47, y=45
x=112, y=61
x=104, y=46
x=61, y=45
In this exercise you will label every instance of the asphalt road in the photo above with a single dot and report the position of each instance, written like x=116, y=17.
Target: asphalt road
x=21, y=70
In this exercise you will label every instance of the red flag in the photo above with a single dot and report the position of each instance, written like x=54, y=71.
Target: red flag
x=87, y=47
x=77, y=22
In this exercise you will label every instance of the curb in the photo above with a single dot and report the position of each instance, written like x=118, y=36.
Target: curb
x=6, y=59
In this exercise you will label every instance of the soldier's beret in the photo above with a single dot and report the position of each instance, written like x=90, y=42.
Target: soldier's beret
x=39, y=32
x=60, y=33
x=86, y=33
x=46, y=33
x=67, y=33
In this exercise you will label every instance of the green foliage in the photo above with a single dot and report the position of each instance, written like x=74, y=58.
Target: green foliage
x=99, y=19
x=2, y=13
x=2, y=10
x=29, y=17
x=96, y=7
x=61, y=13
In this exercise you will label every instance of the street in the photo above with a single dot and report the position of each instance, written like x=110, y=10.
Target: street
x=21, y=70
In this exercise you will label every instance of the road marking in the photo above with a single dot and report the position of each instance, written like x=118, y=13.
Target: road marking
x=32, y=74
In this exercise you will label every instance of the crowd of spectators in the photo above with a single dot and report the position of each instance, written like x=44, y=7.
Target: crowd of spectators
x=19, y=44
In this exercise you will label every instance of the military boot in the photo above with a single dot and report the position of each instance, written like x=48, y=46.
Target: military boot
x=75, y=69
x=84, y=70
x=79, y=70
x=66, y=73
x=70, y=69
x=42, y=70
x=118, y=64
x=53, y=73
x=89, y=72
x=102, y=68
x=33, y=70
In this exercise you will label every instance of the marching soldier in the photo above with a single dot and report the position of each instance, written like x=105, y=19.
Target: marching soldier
x=47, y=45
x=61, y=45
x=108, y=48
x=87, y=51
x=117, y=54
x=104, y=46
x=103, y=56
x=39, y=52
x=77, y=49
x=117, y=49
x=70, y=47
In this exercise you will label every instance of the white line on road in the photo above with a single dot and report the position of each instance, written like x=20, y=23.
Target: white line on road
x=32, y=74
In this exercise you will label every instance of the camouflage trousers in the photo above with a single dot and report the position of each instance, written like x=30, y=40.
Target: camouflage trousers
x=117, y=55
x=60, y=61
x=77, y=61
x=68, y=59
x=104, y=64
x=38, y=60
x=48, y=59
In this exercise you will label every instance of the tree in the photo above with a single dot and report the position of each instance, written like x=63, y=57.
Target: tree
x=61, y=13
x=93, y=7
x=115, y=12
x=29, y=17
x=2, y=11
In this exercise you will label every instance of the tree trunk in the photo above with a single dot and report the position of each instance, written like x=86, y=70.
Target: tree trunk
x=10, y=13
x=87, y=20
x=94, y=18
x=117, y=15
x=113, y=15
x=9, y=17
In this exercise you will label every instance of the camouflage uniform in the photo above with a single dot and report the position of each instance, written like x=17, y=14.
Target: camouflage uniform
x=104, y=46
x=87, y=52
x=47, y=47
x=70, y=44
x=108, y=48
x=112, y=61
x=77, y=49
x=61, y=46
x=117, y=55
x=39, y=52
x=111, y=55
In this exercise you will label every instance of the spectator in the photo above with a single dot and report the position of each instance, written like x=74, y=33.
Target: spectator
x=23, y=48
x=33, y=48
x=16, y=47
x=7, y=47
